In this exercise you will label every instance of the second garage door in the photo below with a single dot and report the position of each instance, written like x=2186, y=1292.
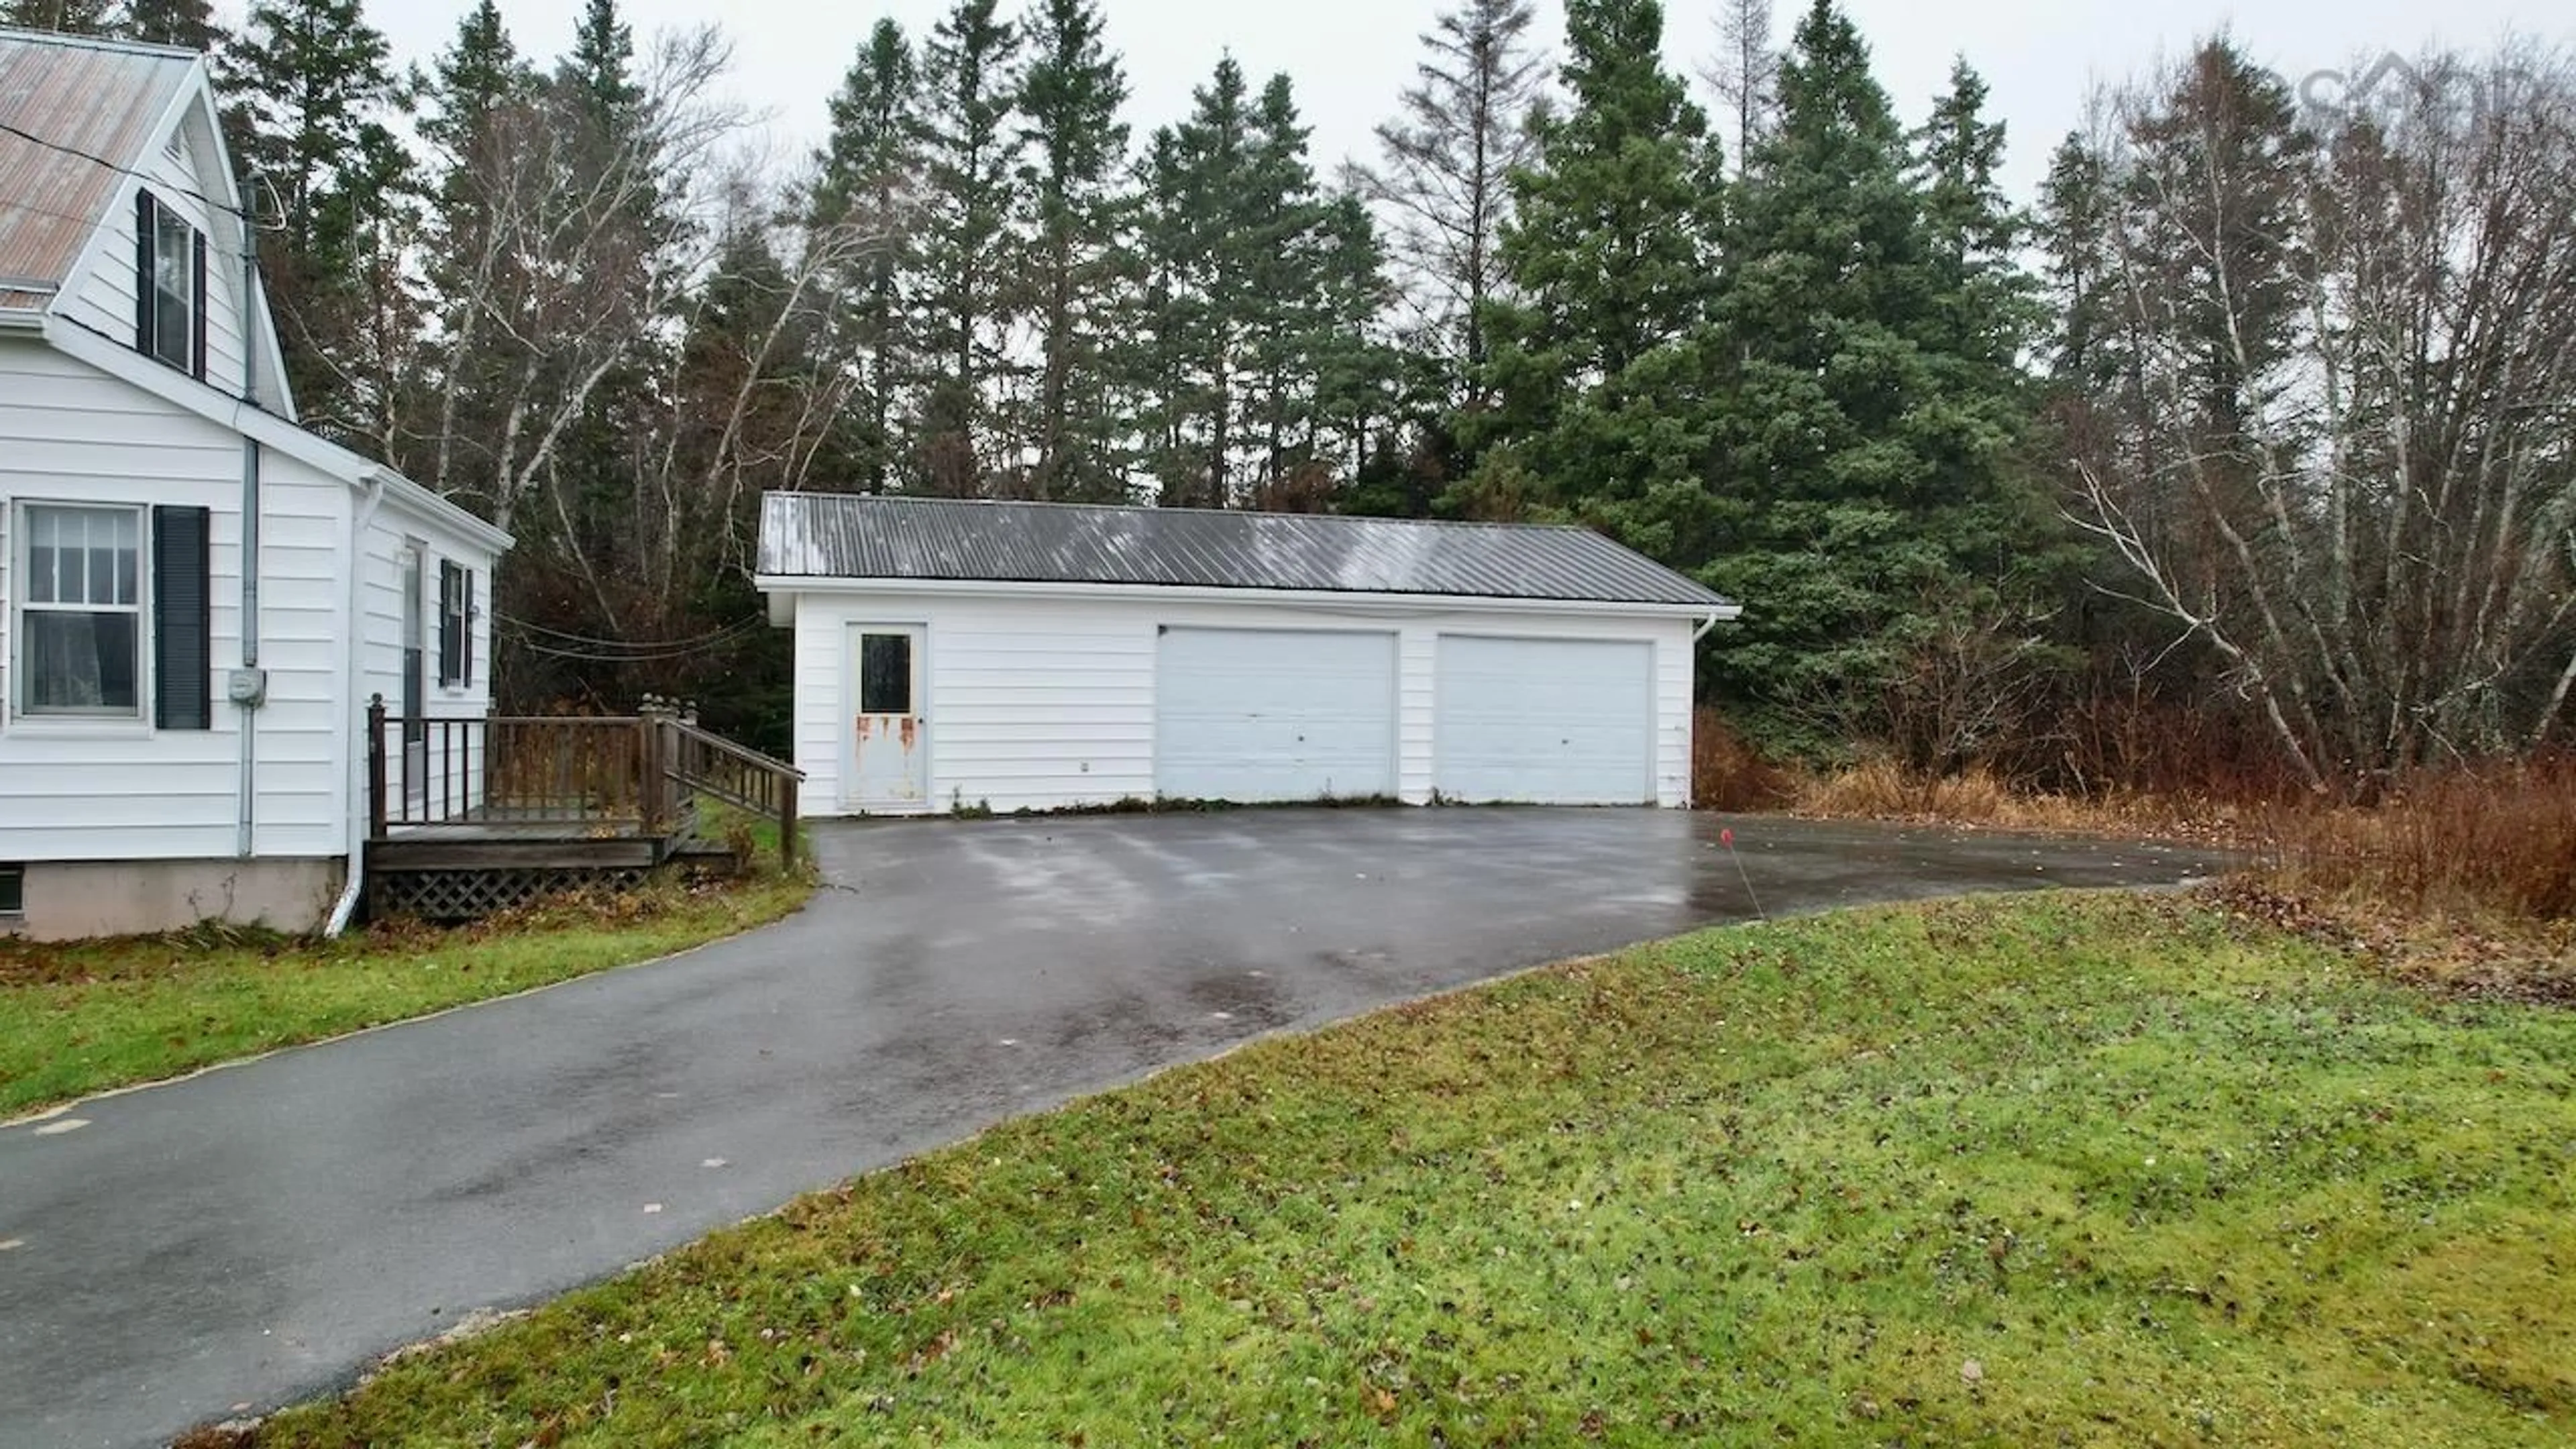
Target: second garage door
x=1544, y=721
x=1273, y=714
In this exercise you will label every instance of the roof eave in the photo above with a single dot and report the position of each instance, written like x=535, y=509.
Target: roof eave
x=1420, y=603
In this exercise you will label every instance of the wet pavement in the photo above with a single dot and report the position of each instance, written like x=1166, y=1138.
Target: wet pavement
x=260, y=1233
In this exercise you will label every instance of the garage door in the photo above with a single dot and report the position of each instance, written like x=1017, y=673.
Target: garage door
x=1544, y=721
x=1262, y=714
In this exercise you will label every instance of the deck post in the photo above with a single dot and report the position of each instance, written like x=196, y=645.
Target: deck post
x=376, y=768
x=787, y=822
x=648, y=750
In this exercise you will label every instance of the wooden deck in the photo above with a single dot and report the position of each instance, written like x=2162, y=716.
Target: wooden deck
x=476, y=815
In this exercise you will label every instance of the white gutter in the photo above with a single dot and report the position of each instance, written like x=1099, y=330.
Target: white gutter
x=361, y=518
x=1345, y=601
x=20, y=319
x=1715, y=618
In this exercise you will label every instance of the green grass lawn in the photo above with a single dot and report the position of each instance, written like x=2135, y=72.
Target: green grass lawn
x=2046, y=1170
x=83, y=1017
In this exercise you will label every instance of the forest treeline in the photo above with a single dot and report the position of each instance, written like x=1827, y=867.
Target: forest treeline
x=2241, y=456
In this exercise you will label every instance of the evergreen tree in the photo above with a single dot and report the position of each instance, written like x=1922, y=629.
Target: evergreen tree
x=2074, y=219
x=188, y=24
x=598, y=73
x=1449, y=154
x=869, y=185
x=71, y=17
x=313, y=84
x=470, y=84
x=1274, y=228
x=2228, y=131
x=476, y=107
x=1197, y=307
x=1600, y=412
x=1987, y=311
x=970, y=151
x=1259, y=291
x=1872, y=327
x=1070, y=97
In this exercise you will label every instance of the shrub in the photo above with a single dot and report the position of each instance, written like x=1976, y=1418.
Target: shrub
x=2495, y=837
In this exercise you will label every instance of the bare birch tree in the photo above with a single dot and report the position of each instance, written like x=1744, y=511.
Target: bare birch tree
x=2335, y=446
x=566, y=277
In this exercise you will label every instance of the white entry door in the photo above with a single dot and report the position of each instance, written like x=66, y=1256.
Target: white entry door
x=1544, y=721
x=1273, y=714
x=889, y=739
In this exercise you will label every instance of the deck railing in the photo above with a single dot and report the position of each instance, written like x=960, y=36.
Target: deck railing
x=639, y=773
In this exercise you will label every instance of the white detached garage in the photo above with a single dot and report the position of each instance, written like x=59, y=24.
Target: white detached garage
x=972, y=655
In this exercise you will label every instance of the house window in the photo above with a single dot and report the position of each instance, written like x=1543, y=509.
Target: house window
x=170, y=286
x=455, y=625
x=13, y=890
x=80, y=619
x=101, y=586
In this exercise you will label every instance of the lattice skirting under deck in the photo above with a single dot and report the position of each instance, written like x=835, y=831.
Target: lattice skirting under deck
x=468, y=895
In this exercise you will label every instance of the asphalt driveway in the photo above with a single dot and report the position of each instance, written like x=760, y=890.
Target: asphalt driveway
x=259, y=1233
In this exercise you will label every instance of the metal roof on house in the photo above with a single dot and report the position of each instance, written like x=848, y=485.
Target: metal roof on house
x=861, y=536
x=74, y=113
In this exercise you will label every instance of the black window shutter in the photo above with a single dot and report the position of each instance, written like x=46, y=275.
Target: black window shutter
x=197, y=307
x=182, y=620
x=143, y=208
x=465, y=676
x=451, y=641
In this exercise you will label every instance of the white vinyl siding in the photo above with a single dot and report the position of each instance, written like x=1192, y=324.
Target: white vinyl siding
x=1041, y=702
x=452, y=760
x=1252, y=715
x=95, y=789
x=1543, y=721
x=103, y=298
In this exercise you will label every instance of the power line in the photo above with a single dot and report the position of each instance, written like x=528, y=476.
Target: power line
x=95, y=159
x=725, y=631
x=627, y=652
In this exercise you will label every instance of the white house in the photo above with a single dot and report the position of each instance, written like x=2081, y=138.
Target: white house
x=964, y=655
x=197, y=596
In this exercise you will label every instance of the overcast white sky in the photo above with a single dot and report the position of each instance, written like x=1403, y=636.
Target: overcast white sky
x=1349, y=58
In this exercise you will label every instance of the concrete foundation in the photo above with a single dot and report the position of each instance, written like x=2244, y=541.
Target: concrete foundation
x=68, y=900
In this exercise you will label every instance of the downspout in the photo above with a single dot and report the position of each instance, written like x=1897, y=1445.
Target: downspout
x=247, y=689
x=361, y=519
x=1714, y=619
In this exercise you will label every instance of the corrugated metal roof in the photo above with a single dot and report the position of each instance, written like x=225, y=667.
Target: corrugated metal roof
x=858, y=536
x=88, y=103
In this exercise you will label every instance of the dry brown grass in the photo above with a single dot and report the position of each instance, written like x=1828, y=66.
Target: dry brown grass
x=2468, y=842
x=1729, y=774
x=1881, y=789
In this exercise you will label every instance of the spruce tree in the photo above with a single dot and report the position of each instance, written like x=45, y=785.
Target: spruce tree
x=970, y=152
x=70, y=17
x=1872, y=319
x=869, y=180
x=313, y=84
x=1599, y=411
x=1273, y=228
x=1985, y=301
x=476, y=107
x=2072, y=234
x=598, y=73
x=1197, y=307
x=1070, y=97
x=188, y=24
